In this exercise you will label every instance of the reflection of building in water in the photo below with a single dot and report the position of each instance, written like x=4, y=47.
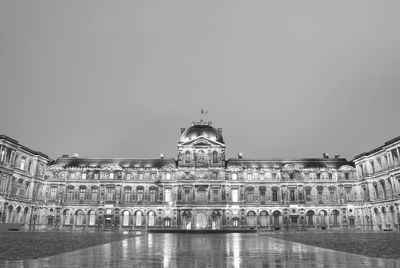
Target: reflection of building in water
x=201, y=189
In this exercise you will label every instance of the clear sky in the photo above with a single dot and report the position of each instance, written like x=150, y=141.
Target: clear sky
x=120, y=78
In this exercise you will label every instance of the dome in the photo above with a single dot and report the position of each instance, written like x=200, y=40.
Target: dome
x=202, y=129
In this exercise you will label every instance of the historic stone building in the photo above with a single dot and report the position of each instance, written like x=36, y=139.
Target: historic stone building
x=200, y=189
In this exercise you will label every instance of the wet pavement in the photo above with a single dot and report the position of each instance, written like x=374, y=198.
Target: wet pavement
x=204, y=250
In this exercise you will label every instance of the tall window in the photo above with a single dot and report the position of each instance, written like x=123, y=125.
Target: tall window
x=292, y=196
x=262, y=194
x=152, y=195
x=319, y=191
x=274, y=194
x=187, y=157
x=234, y=176
x=22, y=164
x=250, y=196
x=215, y=157
x=94, y=194
x=53, y=193
x=167, y=195
x=332, y=194
x=82, y=192
x=201, y=196
x=187, y=195
x=140, y=194
x=79, y=217
x=138, y=218
x=109, y=193
x=151, y=218
x=308, y=194
x=235, y=195
x=92, y=217
x=67, y=217
x=127, y=196
x=2, y=156
x=125, y=218
x=215, y=195
x=70, y=193
x=201, y=157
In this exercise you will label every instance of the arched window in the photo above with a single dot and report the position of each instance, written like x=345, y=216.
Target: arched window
x=67, y=217
x=187, y=157
x=215, y=157
x=79, y=217
x=138, y=218
x=92, y=217
x=125, y=218
x=151, y=218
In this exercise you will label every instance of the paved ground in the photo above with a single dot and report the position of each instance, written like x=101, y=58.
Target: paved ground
x=205, y=250
x=31, y=245
x=372, y=244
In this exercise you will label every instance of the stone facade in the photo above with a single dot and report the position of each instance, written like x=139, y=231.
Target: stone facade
x=201, y=189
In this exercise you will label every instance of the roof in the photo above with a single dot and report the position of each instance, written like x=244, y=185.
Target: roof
x=386, y=144
x=303, y=162
x=69, y=162
x=4, y=137
x=203, y=129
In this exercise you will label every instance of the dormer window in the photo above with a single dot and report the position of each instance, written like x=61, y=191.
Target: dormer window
x=201, y=157
x=215, y=157
x=234, y=176
x=187, y=157
x=22, y=164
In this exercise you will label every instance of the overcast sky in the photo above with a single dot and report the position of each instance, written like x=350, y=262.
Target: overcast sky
x=120, y=78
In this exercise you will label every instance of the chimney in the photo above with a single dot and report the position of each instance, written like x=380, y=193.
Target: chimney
x=337, y=156
x=325, y=155
x=161, y=155
x=240, y=155
x=75, y=155
x=220, y=130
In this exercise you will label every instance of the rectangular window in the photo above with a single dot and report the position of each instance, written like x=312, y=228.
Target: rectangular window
x=83, y=176
x=127, y=196
x=82, y=192
x=167, y=195
x=140, y=195
x=202, y=196
x=330, y=176
x=94, y=194
x=347, y=176
x=22, y=165
x=70, y=194
x=152, y=195
x=308, y=194
x=262, y=194
x=250, y=197
x=187, y=195
x=53, y=193
x=292, y=196
x=215, y=195
x=274, y=195
x=235, y=195
x=109, y=193
x=234, y=176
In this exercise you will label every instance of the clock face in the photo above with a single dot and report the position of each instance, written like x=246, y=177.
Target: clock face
x=108, y=211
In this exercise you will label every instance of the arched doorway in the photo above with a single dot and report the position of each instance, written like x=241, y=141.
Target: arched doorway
x=264, y=218
x=215, y=220
x=310, y=218
x=201, y=221
x=251, y=219
x=276, y=218
x=187, y=220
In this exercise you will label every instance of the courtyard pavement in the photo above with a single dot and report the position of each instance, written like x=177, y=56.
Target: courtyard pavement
x=185, y=250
